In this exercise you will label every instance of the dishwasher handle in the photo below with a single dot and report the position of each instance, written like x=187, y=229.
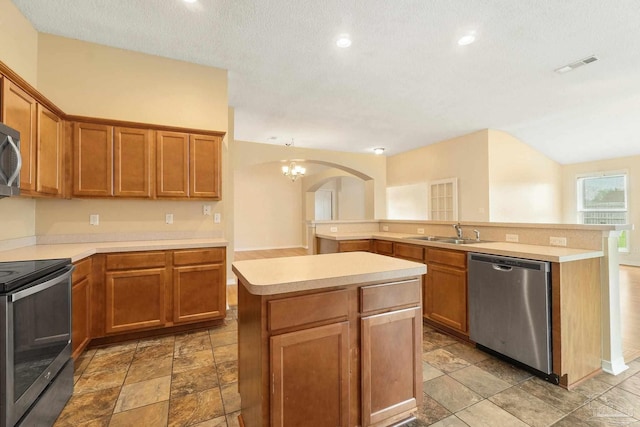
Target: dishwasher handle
x=499, y=267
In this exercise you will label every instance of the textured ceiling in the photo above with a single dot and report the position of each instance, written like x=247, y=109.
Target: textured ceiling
x=404, y=83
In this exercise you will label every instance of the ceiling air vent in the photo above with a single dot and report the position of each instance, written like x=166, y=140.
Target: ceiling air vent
x=577, y=64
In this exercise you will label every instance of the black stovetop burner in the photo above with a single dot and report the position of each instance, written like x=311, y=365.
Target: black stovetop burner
x=18, y=273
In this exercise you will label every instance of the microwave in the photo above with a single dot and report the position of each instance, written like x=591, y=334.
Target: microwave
x=10, y=161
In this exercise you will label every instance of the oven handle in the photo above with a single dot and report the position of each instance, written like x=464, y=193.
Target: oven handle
x=42, y=286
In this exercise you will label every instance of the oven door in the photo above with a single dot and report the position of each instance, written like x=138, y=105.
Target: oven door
x=38, y=340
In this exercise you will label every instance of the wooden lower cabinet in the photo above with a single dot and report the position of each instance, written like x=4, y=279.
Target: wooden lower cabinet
x=386, y=339
x=326, y=349
x=199, y=286
x=331, y=357
x=81, y=307
x=445, y=295
x=135, y=299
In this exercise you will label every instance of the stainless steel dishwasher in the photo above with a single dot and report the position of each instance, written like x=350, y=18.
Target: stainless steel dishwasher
x=509, y=308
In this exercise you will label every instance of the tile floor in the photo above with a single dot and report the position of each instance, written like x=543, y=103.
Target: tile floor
x=191, y=380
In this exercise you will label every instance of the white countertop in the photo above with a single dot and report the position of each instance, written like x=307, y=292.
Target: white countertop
x=518, y=250
x=78, y=251
x=301, y=273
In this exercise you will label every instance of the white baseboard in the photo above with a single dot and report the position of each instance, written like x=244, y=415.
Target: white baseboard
x=614, y=367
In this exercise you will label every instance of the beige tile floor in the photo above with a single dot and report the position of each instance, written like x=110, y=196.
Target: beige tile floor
x=191, y=380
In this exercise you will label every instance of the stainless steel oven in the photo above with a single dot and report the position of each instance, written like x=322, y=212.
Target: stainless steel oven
x=35, y=341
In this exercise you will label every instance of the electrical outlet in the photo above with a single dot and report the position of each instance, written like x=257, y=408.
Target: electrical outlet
x=558, y=241
x=334, y=229
x=512, y=238
x=94, y=219
x=168, y=218
x=216, y=217
x=420, y=230
x=206, y=210
x=385, y=228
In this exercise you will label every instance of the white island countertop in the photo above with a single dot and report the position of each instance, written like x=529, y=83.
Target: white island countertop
x=301, y=273
x=78, y=251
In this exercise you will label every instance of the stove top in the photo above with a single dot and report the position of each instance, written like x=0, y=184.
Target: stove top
x=18, y=273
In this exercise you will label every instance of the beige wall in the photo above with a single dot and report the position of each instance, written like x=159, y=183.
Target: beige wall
x=524, y=185
x=631, y=165
x=465, y=157
x=98, y=81
x=18, y=43
x=351, y=198
x=19, y=51
x=268, y=208
x=259, y=187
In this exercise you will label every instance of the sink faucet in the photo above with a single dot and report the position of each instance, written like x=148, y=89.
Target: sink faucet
x=458, y=230
x=477, y=234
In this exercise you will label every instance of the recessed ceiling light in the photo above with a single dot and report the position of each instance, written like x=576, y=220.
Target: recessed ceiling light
x=344, y=40
x=468, y=39
x=378, y=150
x=189, y=1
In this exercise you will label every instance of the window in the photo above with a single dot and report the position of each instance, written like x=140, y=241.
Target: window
x=443, y=204
x=602, y=199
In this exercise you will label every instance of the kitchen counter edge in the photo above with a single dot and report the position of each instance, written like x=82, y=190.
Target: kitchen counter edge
x=275, y=276
x=79, y=251
x=517, y=250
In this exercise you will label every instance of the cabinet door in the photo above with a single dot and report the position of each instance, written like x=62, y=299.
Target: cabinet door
x=199, y=293
x=204, y=166
x=92, y=160
x=310, y=377
x=19, y=112
x=389, y=388
x=132, y=162
x=80, y=304
x=49, y=159
x=354, y=245
x=172, y=164
x=446, y=296
x=135, y=299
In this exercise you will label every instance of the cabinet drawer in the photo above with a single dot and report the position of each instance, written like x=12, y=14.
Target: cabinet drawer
x=390, y=295
x=135, y=260
x=410, y=252
x=83, y=269
x=355, y=245
x=307, y=309
x=383, y=247
x=199, y=256
x=447, y=257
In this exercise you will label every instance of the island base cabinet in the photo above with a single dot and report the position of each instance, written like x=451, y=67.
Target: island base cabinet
x=390, y=340
x=315, y=360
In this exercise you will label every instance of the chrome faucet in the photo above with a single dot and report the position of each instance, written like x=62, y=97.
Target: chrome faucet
x=458, y=230
x=477, y=235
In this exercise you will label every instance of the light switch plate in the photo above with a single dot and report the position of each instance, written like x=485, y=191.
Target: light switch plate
x=94, y=219
x=420, y=230
x=168, y=219
x=512, y=238
x=385, y=228
x=334, y=229
x=216, y=217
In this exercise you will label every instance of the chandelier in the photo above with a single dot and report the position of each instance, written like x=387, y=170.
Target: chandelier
x=293, y=171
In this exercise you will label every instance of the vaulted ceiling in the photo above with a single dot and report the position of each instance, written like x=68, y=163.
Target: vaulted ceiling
x=405, y=82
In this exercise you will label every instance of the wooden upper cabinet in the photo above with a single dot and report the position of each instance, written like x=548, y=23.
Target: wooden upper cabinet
x=172, y=164
x=49, y=149
x=92, y=160
x=132, y=156
x=19, y=110
x=204, y=166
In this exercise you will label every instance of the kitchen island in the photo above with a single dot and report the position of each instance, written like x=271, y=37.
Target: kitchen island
x=329, y=340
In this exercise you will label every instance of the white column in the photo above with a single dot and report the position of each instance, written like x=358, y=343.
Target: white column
x=612, y=359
